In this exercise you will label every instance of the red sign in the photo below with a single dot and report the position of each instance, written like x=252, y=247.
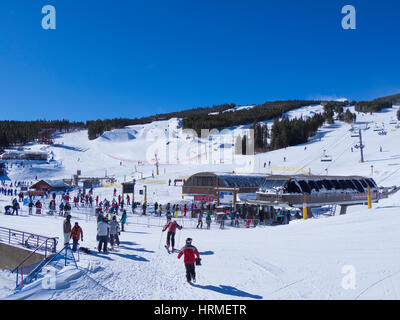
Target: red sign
x=203, y=198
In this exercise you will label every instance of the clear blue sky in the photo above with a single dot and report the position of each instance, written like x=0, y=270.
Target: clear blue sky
x=130, y=58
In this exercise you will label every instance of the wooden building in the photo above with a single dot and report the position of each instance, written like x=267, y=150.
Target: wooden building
x=43, y=186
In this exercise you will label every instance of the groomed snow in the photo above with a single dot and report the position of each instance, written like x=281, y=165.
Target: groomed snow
x=302, y=260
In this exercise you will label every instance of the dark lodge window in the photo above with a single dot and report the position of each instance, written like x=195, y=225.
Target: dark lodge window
x=345, y=184
x=304, y=186
x=327, y=184
x=336, y=184
x=293, y=187
x=358, y=185
x=313, y=185
x=371, y=183
x=364, y=184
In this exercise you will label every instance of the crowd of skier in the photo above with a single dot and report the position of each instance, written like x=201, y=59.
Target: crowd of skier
x=111, y=218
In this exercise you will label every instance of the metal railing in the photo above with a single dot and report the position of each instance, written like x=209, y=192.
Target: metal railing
x=28, y=240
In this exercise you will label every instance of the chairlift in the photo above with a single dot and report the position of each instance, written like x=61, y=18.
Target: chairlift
x=325, y=157
x=355, y=134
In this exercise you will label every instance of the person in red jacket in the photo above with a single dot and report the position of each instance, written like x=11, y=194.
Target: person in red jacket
x=189, y=252
x=171, y=226
x=75, y=234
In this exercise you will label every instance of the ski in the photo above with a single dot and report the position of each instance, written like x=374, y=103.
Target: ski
x=165, y=246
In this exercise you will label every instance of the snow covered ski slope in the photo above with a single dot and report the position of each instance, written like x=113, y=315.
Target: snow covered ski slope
x=353, y=256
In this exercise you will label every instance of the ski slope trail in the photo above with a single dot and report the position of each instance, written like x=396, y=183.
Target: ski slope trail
x=302, y=260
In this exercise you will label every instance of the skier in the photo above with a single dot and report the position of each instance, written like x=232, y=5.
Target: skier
x=155, y=208
x=67, y=229
x=184, y=210
x=208, y=220
x=200, y=220
x=144, y=208
x=114, y=231
x=75, y=234
x=171, y=226
x=67, y=208
x=123, y=220
x=61, y=207
x=102, y=233
x=189, y=252
x=38, y=206
x=15, y=206
x=30, y=205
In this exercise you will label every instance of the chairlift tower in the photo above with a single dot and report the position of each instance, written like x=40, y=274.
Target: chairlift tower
x=157, y=164
x=361, y=147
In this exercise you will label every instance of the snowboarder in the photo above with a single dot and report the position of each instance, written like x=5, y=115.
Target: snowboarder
x=189, y=252
x=75, y=234
x=67, y=229
x=171, y=226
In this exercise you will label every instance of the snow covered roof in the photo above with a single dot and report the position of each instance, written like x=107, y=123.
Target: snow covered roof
x=228, y=180
x=52, y=184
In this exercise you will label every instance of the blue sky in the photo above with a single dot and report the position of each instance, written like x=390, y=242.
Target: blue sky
x=131, y=58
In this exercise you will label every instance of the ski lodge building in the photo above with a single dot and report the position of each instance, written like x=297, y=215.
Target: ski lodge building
x=300, y=191
x=24, y=155
x=208, y=186
x=43, y=186
x=252, y=193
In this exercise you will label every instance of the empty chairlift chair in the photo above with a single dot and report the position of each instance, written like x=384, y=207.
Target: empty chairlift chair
x=325, y=157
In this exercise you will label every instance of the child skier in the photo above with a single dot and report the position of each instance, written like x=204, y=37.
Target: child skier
x=171, y=226
x=189, y=252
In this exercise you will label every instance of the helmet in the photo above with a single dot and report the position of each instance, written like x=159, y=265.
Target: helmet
x=189, y=241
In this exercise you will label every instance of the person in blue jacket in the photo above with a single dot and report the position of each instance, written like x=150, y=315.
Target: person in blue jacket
x=123, y=220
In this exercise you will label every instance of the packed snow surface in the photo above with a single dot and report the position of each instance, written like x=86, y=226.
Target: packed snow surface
x=352, y=256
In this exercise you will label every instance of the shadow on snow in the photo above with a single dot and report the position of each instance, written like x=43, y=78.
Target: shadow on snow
x=228, y=290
